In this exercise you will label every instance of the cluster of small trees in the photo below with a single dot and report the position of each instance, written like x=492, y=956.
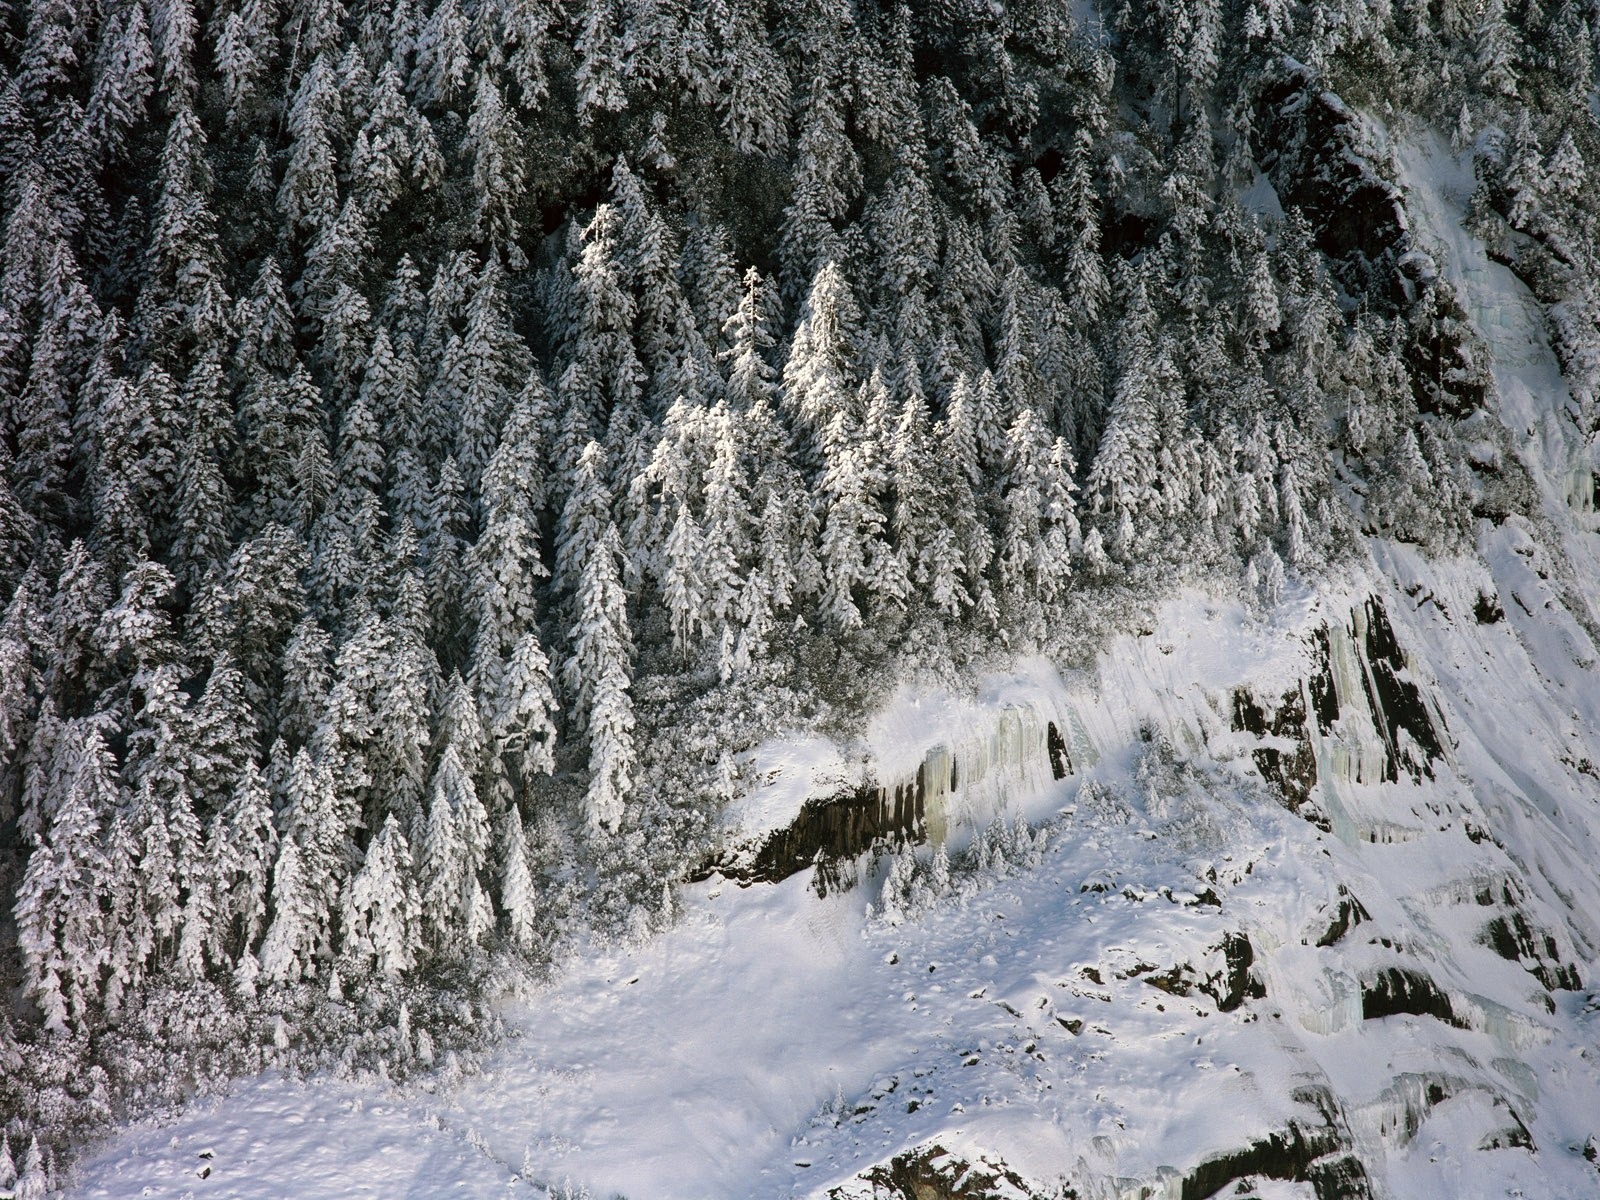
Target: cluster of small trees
x=437, y=438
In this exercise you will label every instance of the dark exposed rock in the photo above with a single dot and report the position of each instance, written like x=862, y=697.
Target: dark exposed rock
x=1175, y=981
x=1400, y=990
x=1396, y=701
x=1060, y=760
x=1405, y=723
x=1307, y=145
x=832, y=830
x=1324, y=695
x=933, y=1173
x=1311, y=145
x=1314, y=1155
x=1236, y=983
x=842, y=827
x=1513, y=1136
x=1339, y=1177
x=1512, y=937
x=1292, y=772
x=1349, y=913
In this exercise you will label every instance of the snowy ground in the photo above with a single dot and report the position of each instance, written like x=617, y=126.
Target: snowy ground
x=776, y=1043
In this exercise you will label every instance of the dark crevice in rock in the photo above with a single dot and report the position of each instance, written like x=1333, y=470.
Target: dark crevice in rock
x=1292, y=772
x=1399, y=991
x=1237, y=982
x=1513, y=938
x=1315, y=1155
x=1060, y=760
x=933, y=1173
x=1349, y=913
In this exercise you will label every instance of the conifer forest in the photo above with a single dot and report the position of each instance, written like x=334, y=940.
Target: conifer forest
x=443, y=442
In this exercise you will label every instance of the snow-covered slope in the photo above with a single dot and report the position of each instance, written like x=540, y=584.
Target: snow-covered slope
x=1067, y=1021
x=1312, y=903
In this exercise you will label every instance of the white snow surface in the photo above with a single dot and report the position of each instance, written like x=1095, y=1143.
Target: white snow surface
x=776, y=1043
x=708, y=1062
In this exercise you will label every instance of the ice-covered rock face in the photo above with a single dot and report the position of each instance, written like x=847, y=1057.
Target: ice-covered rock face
x=1355, y=715
x=1416, y=1013
x=1402, y=947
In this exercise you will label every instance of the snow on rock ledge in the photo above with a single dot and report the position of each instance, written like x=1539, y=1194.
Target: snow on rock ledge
x=1208, y=678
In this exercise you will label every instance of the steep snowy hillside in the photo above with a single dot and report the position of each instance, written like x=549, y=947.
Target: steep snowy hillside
x=980, y=598
x=1285, y=903
x=1173, y=982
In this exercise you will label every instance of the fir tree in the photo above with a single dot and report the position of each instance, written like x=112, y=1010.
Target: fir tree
x=382, y=914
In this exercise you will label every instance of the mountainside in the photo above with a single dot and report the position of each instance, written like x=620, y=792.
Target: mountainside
x=970, y=600
x=1169, y=973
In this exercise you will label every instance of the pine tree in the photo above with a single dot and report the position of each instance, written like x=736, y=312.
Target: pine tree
x=583, y=518
x=597, y=676
x=681, y=586
x=526, y=31
x=751, y=381
x=497, y=172
x=308, y=196
x=172, y=26
x=524, y=718
x=517, y=897
x=711, y=284
x=34, y=1182
x=448, y=876
x=819, y=378
x=601, y=344
x=291, y=941
x=1085, y=273
x=361, y=469
x=397, y=757
x=460, y=725
x=395, y=146
x=826, y=180
x=124, y=78
x=727, y=542
x=926, y=544
x=443, y=59
x=203, y=503
x=505, y=567
x=317, y=821
x=1035, y=531
x=382, y=914
x=1496, y=51
x=59, y=921
x=1123, y=475
x=1262, y=312
x=852, y=524
x=243, y=53
x=247, y=841
x=600, y=66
